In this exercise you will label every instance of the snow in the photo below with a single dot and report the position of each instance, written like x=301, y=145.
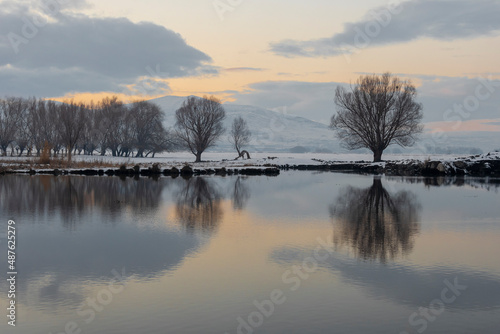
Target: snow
x=271, y=130
x=227, y=159
x=221, y=159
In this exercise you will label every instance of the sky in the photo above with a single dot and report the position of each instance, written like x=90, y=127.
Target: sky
x=287, y=55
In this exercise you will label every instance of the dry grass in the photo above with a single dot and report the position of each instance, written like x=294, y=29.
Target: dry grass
x=45, y=156
x=55, y=163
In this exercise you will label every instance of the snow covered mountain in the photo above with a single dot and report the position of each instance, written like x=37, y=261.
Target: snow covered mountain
x=272, y=131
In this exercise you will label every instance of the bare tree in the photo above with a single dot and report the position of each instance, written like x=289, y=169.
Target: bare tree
x=72, y=124
x=111, y=116
x=377, y=112
x=148, y=133
x=35, y=123
x=199, y=123
x=92, y=135
x=11, y=114
x=240, y=136
x=24, y=140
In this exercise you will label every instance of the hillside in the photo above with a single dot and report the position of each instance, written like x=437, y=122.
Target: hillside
x=271, y=131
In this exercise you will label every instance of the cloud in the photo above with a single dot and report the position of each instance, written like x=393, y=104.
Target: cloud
x=410, y=20
x=384, y=281
x=76, y=52
x=244, y=69
x=313, y=100
x=439, y=95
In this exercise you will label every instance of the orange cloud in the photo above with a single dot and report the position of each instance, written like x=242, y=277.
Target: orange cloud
x=464, y=126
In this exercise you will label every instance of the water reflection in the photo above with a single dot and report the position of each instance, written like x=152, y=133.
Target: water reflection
x=72, y=196
x=114, y=224
x=198, y=205
x=241, y=193
x=406, y=285
x=376, y=224
x=487, y=183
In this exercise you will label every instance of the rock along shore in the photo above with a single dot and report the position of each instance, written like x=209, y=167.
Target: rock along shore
x=486, y=165
x=154, y=170
x=480, y=166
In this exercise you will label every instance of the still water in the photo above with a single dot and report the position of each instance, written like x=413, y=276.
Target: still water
x=299, y=253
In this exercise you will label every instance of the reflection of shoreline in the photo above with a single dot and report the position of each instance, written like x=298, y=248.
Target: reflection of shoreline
x=407, y=285
x=376, y=224
x=73, y=196
x=486, y=183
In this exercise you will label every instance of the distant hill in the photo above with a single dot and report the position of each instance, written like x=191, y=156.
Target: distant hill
x=278, y=132
x=271, y=131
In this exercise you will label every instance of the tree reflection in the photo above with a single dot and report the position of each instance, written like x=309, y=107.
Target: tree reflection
x=376, y=224
x=73, y=196
x=199, y=205
x=241, y=194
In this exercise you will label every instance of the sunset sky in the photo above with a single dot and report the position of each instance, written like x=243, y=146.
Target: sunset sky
x=282, y=54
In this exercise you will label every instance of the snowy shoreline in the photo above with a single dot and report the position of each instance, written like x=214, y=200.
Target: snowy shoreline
x=263, y=164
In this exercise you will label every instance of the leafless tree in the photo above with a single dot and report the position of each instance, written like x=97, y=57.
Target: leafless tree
x=111, y=116
x=240, y=135
x=53, y=129
x=91, y=136
x=35, y=123
x=377, y=112
x=200, y=123
x=24, y=139
x=72, y=124
x=11, y=114
x=23, y=136
x=148, y=133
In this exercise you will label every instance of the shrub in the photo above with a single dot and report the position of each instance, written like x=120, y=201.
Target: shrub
x=45, y=155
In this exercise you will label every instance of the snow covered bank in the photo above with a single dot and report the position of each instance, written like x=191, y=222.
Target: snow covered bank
x=479, y=165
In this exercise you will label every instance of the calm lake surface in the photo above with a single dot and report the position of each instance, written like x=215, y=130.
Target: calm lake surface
x=299, y=253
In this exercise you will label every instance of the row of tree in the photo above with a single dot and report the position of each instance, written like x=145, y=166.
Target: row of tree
x=376, y=112
x=29, y=126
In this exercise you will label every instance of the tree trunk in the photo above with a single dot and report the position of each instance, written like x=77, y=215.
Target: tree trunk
x=377, y=155
x=198, y=157
x=243, y=153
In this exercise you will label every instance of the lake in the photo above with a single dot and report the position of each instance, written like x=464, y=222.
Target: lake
x=299, y=253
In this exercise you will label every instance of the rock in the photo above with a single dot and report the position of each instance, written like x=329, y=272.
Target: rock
x=155, y=169
x=440, y=167
x=460, y=164
x=187, y=171
x=221, y=171
x=174, y=171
